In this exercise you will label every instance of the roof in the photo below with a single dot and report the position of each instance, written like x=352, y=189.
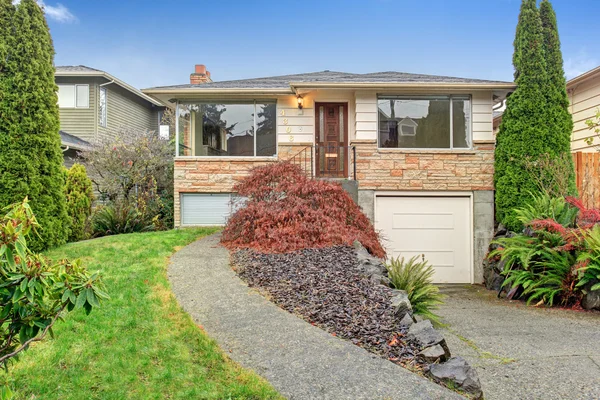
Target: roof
x=584, y=76
x=73, y=142
x=82, y=70
x=497, y=114
x=288, y=83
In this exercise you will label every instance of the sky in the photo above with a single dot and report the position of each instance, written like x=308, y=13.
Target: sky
x=154, y=43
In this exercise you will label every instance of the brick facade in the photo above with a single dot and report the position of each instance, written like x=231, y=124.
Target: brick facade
x=376, y=169
x=468, y=170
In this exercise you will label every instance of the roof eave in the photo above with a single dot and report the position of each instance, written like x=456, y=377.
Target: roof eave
x=586, y=75
x=402, y=85
x=195, y=91
x=108, y=76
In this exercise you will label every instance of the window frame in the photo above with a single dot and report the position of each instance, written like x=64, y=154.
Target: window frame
x=75, y=86
x=451, y=98
x=102, y=122
x=253, y=102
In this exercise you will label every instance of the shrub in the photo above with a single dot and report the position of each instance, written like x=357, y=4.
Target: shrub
x=414, y=277
x=80, y=197
x=34, y=291
x=286, y=211
x=31, y=161
x=557, y=256
x=119, y=217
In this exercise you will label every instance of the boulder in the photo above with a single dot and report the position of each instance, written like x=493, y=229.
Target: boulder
x=491, y=274
x=407, y=320
x=457, y=370
x=435, y=353
x=371, y=266
x=591, y=298
x=425, y=335
x=401, y=304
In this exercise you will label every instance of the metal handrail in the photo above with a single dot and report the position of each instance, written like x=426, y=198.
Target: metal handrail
x=304, y=160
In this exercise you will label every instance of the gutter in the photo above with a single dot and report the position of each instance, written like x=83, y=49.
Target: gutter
x=399, y=85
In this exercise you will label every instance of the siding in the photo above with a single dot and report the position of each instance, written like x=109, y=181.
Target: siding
x=585, y=101
x=79, y=121
x=125, y=112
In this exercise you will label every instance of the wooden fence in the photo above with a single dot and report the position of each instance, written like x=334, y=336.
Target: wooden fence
x=587, y=170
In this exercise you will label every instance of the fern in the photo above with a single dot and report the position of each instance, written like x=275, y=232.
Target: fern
x=415, y=277
x=589, y=260
x=545, y=207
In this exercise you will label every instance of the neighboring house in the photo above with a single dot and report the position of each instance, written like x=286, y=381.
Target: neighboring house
x=584, y=98
x=94, y=104
x=422, y=147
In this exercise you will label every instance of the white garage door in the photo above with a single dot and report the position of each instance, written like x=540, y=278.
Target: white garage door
x=205, y=209
x=437, y=228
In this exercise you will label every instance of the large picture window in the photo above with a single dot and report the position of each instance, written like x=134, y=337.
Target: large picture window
x=227, y=129
x=424, y=122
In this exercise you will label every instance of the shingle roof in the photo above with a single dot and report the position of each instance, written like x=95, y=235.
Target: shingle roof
x=75, y=68
x=73, y=141
x=283, y=81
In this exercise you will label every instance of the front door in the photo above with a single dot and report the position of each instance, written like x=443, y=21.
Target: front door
x=331, y=139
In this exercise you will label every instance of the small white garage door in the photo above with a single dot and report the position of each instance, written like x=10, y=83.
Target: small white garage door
x=437, y=228
x=205, y=208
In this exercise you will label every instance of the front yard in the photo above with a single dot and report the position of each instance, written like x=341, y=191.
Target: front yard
x=139, y=344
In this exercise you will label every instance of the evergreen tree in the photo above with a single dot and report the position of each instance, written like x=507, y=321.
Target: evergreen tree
x=523, y=134
x=30, y=155
x=80, y=197
x=560, y=120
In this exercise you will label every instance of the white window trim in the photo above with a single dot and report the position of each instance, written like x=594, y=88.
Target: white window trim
x=426, y=97
x=75, y=94
x=103, y=122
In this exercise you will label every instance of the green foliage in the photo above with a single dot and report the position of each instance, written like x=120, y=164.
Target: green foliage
x=589, y=270
x=30, y=156
x=80, y=197
x=34, y=291
x=414, y=277
x=542, y=206
x=528, y=129
x=141, y=344
x=119, y=217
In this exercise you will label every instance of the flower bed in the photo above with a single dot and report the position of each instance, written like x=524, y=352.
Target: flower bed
x=326, y=288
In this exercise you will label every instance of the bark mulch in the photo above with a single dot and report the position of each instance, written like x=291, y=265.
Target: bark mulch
x=325, y=287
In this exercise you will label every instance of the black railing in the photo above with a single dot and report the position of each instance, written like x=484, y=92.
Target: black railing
x=304, y=160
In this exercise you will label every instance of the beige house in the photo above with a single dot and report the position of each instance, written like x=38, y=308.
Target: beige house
x=420, y=149
x=584, y=98
x=94, y=104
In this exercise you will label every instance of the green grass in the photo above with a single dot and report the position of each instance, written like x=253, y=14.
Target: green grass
x=140, y=344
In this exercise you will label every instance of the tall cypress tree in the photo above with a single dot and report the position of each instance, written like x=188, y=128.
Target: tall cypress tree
x=30, y=155
x=560, y=120
x=523, y=133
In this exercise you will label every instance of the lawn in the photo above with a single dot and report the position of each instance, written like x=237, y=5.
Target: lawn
x=140, y=344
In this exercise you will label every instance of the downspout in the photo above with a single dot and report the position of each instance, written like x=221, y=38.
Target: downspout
x=66, y=149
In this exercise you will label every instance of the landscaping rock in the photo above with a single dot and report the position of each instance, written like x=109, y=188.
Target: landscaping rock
x=371, y=266
x=591, y=300
x=461, y=373
x=401, y=304
x=434, y=353
x=491, y=274
x=407, y=321
x=424, y=334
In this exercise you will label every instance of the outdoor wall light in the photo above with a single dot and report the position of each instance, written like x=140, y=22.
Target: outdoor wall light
x=300, y=102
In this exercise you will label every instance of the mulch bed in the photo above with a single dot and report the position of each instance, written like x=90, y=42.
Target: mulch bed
x=325, y=287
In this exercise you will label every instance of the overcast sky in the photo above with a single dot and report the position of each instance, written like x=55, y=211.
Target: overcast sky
x=152, y=43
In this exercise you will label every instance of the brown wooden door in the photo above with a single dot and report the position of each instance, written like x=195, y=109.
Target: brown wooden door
x=331, y=139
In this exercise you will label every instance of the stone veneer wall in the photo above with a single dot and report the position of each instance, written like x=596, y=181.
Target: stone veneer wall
x=456, y=170
x=219, y=174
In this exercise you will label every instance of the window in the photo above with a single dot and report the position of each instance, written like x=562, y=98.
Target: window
x=73, y=96
x=102, y=108
x=424, y=122
x=227, y=129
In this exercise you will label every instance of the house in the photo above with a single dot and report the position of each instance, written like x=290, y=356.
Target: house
x=584, y=103
x=94, y=104
x=420, y=147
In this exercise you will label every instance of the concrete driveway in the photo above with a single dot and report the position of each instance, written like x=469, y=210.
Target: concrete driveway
x=523, y=352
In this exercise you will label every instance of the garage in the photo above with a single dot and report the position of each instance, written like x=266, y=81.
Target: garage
x=206, y=209
x=434, y=227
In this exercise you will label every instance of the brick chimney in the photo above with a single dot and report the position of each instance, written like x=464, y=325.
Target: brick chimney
x=200, y=75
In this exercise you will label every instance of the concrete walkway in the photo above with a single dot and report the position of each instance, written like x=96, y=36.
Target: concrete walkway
x=300, y=360
x=524, y=352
